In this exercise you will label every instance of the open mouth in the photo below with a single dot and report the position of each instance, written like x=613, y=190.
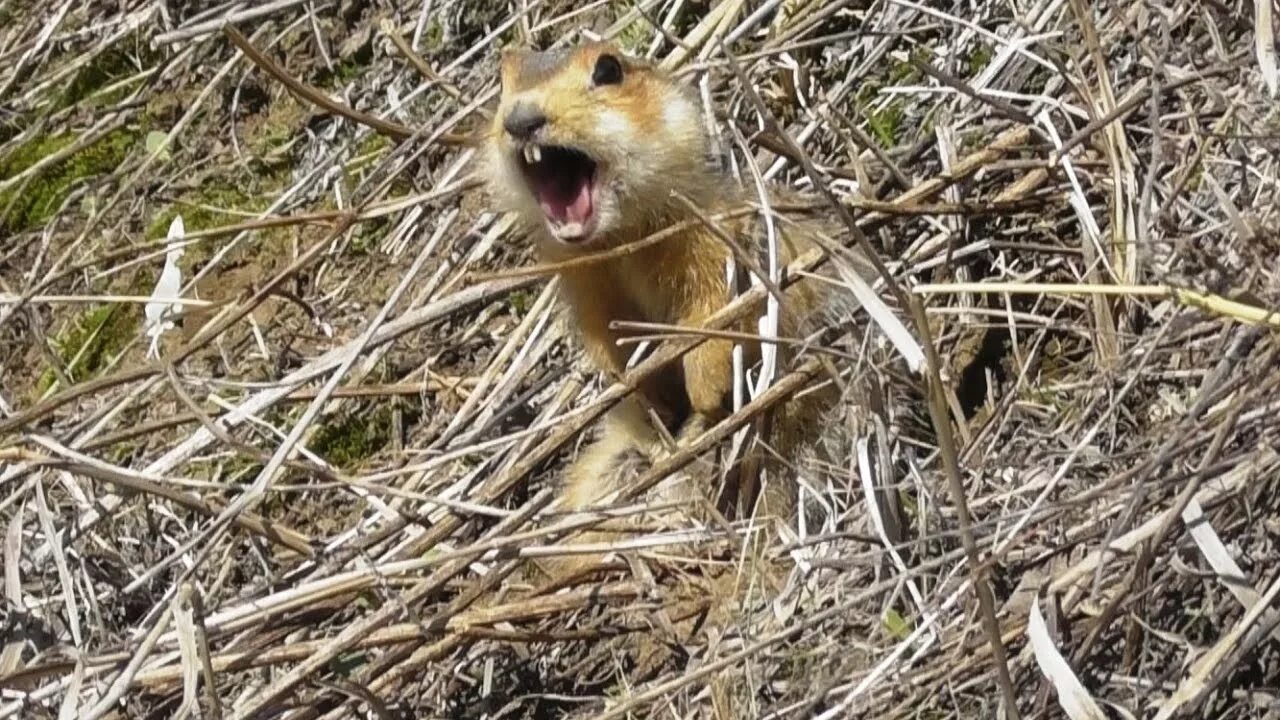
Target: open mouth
x=563, y=180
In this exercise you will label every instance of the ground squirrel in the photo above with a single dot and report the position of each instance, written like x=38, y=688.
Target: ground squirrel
x=586, y=147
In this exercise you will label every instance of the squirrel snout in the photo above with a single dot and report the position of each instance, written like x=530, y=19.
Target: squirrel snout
x=524, y=120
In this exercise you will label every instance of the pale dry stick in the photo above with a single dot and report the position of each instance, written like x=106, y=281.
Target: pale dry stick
x=727, y=17
x=513, y=345
x=1119, y=156
x=946, y=447
x=273, y=694
x=124, y=678
x=68, y=460
x=698, y=35
x=252, y=494
x=309, y=94
x=45, y=34
x=663, y=331
x=1216, y=304
x=90, y=387
x=209, y=27
x=566, y=17
x=58, y=551
x=500, y=485
x=397, y=633
x=13, y=647
x=1211, y=668
x=213, y=705
x=749, y=22
x=13, y=299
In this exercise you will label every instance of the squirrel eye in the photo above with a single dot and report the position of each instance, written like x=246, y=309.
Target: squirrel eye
x=608, y=71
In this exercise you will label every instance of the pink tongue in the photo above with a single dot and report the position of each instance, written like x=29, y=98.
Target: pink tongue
x=565, y=202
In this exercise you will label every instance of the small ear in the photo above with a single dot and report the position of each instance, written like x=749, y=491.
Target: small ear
x=512, y=61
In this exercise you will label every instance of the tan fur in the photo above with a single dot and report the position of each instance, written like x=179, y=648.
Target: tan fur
x=655, y=143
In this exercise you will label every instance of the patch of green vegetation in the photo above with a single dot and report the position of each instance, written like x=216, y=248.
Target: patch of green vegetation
x=896, y=625
x=110, y=66
x=211, y=205
x=366, y=236
x=433, y=35
x=368, y=151
x=346, y=442
x=635, y=35
x=271, y=131
x=348, y=70
x=37, y=200
x=886, y=123
x=90, y=341
x=354, y=60
x=979, y=59
x=904, y=73
x=347, y=663
x=221, y=201
x=521, y=300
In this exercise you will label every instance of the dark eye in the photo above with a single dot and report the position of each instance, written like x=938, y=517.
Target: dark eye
x=608, y=71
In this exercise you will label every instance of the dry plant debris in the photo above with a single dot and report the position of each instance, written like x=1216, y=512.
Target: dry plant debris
x=315, y=499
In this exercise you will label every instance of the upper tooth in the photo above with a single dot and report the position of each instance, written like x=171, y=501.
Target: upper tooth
x=532, y=154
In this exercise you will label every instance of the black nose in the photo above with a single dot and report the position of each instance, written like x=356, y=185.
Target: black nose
x=523, y=121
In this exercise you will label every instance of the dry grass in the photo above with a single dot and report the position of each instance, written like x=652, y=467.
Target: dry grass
x=318, y=501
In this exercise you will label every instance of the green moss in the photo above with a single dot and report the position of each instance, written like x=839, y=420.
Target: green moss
x=223, y=201
x=904, y=73
x=210, y=205
x=636, y=34
x=979, y=59
x=368, y=151
x=91, y=341
x=109, y=67
x=366, y=236
x=433, y=35
x=886, y=124
x=31, y=204
x=521, y=300
x=347, y=442
x=896, y=625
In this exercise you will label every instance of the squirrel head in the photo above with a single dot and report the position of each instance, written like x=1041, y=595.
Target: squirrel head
x=587, y=143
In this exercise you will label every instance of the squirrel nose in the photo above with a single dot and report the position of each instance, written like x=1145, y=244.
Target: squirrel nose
x=523, y=121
